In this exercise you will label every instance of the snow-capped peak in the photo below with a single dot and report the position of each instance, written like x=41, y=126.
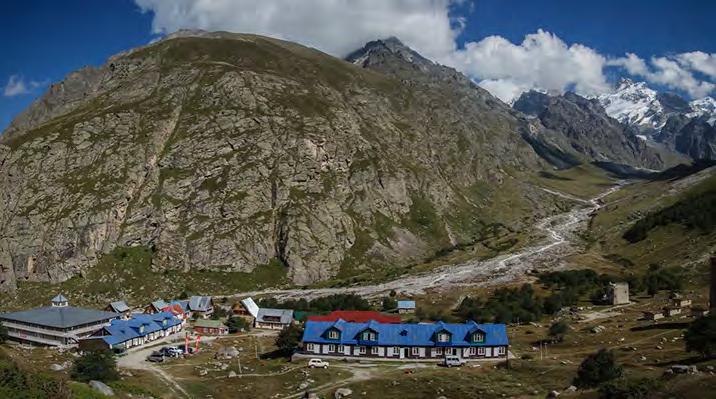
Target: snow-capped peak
x=634, y=103
x=704, y=107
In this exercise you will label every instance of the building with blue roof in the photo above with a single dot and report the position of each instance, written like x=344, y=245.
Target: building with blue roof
x=405, y=341
x=138, y=330
x=406, y=306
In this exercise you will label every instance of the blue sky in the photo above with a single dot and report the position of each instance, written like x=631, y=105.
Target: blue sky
x=49, y=39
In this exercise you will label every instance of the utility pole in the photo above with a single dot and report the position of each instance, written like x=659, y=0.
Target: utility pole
x=238, y=359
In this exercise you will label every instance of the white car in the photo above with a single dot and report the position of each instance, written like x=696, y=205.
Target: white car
x=453, y=361
x=313, y=363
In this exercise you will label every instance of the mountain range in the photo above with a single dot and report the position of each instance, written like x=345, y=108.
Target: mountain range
x=226, y=152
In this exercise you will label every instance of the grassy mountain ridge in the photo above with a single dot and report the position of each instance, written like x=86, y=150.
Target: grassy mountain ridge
x=224, y=152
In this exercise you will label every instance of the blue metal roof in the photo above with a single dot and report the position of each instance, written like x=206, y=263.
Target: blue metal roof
x=405, y=334
x=406, y=304
x=124, y=330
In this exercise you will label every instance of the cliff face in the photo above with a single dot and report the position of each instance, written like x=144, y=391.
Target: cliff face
x=228, y=152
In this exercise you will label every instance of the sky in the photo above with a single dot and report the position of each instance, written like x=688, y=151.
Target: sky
x=506, y=46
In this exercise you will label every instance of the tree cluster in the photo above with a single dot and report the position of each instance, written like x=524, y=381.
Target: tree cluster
x=95, y=365
x=323, y=304
x=696, y=212
x=289, y=339
x=237, y=324
x=506, y=305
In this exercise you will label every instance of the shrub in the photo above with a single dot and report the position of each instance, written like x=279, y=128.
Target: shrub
x=642, y=388
x=3, y=333
x=289, y=338
x=558, y=329
x=701, y=336
x=95, y=365
x=596, y=369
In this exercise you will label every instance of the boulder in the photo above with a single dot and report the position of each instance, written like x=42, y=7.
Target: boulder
x=226, y=352
x=101, y=387
x=342, y=393
x=57, y=367
x=232, y=374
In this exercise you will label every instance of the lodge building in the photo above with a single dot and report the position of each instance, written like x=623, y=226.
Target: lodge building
x=405, y=341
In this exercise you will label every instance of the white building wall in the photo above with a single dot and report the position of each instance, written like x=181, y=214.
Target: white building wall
x=421, y=352
x=381, y=351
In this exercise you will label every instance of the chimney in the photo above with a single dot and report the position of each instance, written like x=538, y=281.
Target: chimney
x=712, y=296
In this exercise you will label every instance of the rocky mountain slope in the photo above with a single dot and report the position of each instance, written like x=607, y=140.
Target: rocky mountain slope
x=580, y=129
x=226, y=152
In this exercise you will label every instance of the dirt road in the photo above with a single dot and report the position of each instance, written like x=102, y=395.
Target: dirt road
x=561, y=241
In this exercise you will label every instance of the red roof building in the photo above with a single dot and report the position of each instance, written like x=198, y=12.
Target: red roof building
x=357, y=316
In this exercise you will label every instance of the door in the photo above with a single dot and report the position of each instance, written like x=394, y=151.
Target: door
x=488, y=352
x=402, y=353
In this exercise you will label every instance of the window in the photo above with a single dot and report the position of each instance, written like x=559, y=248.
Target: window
x=361, y=350
x=368, y=336
x=341, y=349
x=443, y=337
x=374, y=350
x=481, y=351
x=415, y=351
x=331, y=348
x=333, y=334
x=478, y=337
x=473, y=351
x=439, y=350
x=501, y=350
x=396, y=351
x=309, y=347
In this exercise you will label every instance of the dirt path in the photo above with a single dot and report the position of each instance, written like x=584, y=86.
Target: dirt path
x=136, y=360
x=561, y=241
x=358, y=374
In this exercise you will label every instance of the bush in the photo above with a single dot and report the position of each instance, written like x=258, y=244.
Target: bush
x=3, y=333
x=219, y=313
x=289, y=338
x=95, y=365
x=237, y=324
x=596, y=369
x=558, y=329
x=642, y=388
x=701, y=336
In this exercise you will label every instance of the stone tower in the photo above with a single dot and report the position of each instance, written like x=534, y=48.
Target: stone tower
x=618, y=293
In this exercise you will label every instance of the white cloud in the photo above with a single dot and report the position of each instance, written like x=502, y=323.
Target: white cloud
x=675, y=72
x=542, y=61
x=16, y=85
x=699, y=61
x=334, y=26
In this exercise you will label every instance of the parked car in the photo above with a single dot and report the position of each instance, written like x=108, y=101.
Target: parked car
x=313, y=363
x=453, y=361
x=155, y=357
x=171, y=351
